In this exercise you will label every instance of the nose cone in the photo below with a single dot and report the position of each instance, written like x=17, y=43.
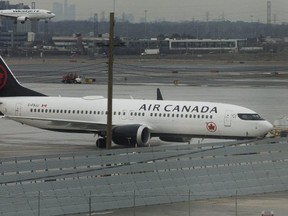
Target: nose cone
x=267, y=127
x=52, y=15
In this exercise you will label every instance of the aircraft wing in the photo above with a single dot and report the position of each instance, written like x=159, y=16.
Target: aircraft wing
x=63, y=124
x=9, y=16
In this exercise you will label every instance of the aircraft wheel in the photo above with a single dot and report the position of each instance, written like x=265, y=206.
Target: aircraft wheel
x=101, y=143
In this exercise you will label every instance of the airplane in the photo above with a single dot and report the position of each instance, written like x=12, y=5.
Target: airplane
x=23, y=15
x=135, y=121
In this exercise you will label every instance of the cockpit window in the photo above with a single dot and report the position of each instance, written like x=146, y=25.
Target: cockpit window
x=247, y=116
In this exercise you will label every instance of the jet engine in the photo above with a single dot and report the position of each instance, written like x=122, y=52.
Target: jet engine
x=130, y=135
x=22, y=19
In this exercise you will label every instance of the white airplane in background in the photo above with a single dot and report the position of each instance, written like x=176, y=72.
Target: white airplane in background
x=134, y=121
x=24, y=14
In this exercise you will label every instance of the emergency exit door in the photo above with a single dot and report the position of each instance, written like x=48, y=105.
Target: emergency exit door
x=18, y=108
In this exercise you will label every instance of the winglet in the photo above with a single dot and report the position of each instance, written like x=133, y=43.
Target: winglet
x=159, y=95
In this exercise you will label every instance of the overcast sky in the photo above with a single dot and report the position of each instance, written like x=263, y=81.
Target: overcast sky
x=176, y=10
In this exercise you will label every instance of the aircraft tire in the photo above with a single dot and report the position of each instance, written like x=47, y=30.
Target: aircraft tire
x=101, y=143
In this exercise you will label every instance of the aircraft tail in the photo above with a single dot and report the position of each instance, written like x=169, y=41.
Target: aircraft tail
x=9, y=85
x=159, y=94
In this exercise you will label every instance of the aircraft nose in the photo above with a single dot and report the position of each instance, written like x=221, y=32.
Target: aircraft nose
x=267, y=126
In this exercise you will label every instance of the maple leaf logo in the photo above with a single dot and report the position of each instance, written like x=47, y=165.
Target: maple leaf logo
x=211, y=126
x=3, y=77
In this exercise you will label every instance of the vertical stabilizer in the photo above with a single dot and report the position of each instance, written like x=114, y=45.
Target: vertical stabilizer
x=9, y=85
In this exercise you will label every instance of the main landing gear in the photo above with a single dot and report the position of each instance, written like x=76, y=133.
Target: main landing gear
x=101, y=142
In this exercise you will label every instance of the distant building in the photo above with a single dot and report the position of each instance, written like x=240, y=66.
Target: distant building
x=77, y=43
x=4, y=5
x=64, y=11
x=15, y=39
x=58, y=10
x=71, y=12
x=206, y=45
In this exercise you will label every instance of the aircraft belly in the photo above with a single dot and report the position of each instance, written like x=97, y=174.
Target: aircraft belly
x=59, y=126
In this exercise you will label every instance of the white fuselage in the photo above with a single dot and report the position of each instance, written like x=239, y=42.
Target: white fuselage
x=163, y=118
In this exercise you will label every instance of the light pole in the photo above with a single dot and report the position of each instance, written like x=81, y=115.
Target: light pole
x=110, y=82
x=114, y=6
x=145, y=33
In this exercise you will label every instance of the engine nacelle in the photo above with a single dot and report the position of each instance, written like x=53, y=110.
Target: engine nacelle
x=22, y=19
x=175, y=139
x=130, y=135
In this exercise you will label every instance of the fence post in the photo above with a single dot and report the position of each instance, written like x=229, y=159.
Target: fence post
x=38, y=203
x=90, y=204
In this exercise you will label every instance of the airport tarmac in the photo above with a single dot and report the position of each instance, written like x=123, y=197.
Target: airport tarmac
x=257, y=87
x=155, y=71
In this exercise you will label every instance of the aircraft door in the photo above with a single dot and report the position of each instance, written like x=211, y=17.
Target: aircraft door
x=18, y=108
x=228, y=118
